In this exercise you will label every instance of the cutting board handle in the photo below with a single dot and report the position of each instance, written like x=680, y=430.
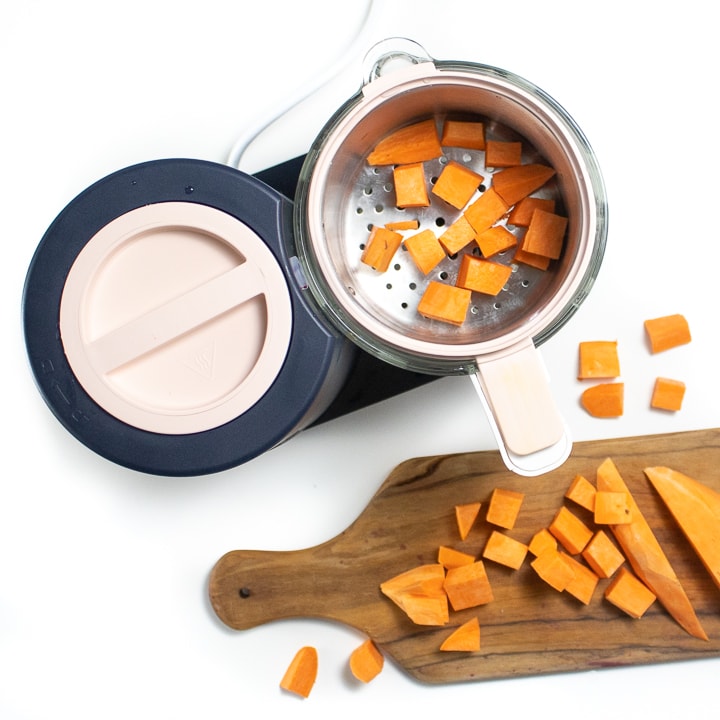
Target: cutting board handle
x=248, y=588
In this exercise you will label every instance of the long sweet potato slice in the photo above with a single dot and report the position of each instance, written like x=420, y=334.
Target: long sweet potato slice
x=696, y=509
x=647, y=557
x=410, y=144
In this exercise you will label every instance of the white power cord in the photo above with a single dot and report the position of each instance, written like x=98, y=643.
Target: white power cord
x=333, y=70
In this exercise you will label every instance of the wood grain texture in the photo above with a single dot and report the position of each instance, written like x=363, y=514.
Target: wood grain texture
x=529, y=628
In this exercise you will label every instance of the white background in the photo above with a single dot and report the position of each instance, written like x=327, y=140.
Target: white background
x=103, y=571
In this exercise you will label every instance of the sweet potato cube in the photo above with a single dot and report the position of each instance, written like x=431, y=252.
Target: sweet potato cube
x=584, y=581
x=468, y=586
x=522, y=211
x=503, y=549
x=456, y=184
x=553, y=569
x=419, y=593
x=300, y=676
x=514, y=183
x=465, y=516
x=495, y=239
x=612, y=508
x=486, y=210
x=667, y=394
x=366, y=661
x=629, y=593
x=410, y=144
x=582, y=492
x=667, y=332
x=598, y=359
x=545, y=234
x=570, y=531
x=425, y=250
x=464, y=134
x=403, y=225
x=605, y=400
x=502, y=154
x=410, y=188
x=447, y=303
x=602, y=555
x=537, y=261
x=504, y=507
x=459, y=234
x=483, y=276
x=380, y=248
x=450, y=557
x=541, y=541
x=465, y=638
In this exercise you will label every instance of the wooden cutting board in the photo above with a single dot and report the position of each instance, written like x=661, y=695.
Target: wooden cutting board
x=528, y=628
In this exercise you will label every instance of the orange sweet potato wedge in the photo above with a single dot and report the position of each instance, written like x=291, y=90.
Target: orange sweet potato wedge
x=515, y=183
x=696, y=509
x=410, y=144
x=647, y=557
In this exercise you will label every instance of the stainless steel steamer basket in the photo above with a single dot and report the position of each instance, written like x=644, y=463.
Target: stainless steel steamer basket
x=340, y=196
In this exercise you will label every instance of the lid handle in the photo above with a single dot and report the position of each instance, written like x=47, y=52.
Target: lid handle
x=391, y=54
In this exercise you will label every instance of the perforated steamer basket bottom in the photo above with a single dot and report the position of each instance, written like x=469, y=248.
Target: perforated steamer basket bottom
x=340, y=197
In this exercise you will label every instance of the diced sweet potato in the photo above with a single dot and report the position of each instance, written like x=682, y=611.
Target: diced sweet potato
x=425, y=250
x=612, y=508
x=482, y=276
x=598, y=359
x=584, y=581
x=459, y=234
x=668, y=394
x=504, y=507
x=413, y=143
x=403, y=225
x=450, y=557
x=465, y=638
x=486, y=210
x=606, y=400
x=465, y=516
x=366, y=661
x=495, y=239
x=410, y=188
x=553, y=569
x=419, y=593
x=463, y=134
x=545, y=234
x=381, y=248
x=456, y=184
x=522, y=211
x=582, y=492
x=629, y=593
x=541, y=541
x=665, y=333
x=602, y=555
x=301, y=674
x=514, y=183
x=447, y=303
x=570, y=531
x=502, y=154
x=537, y=261
x=468, y=586
x=503, y=549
